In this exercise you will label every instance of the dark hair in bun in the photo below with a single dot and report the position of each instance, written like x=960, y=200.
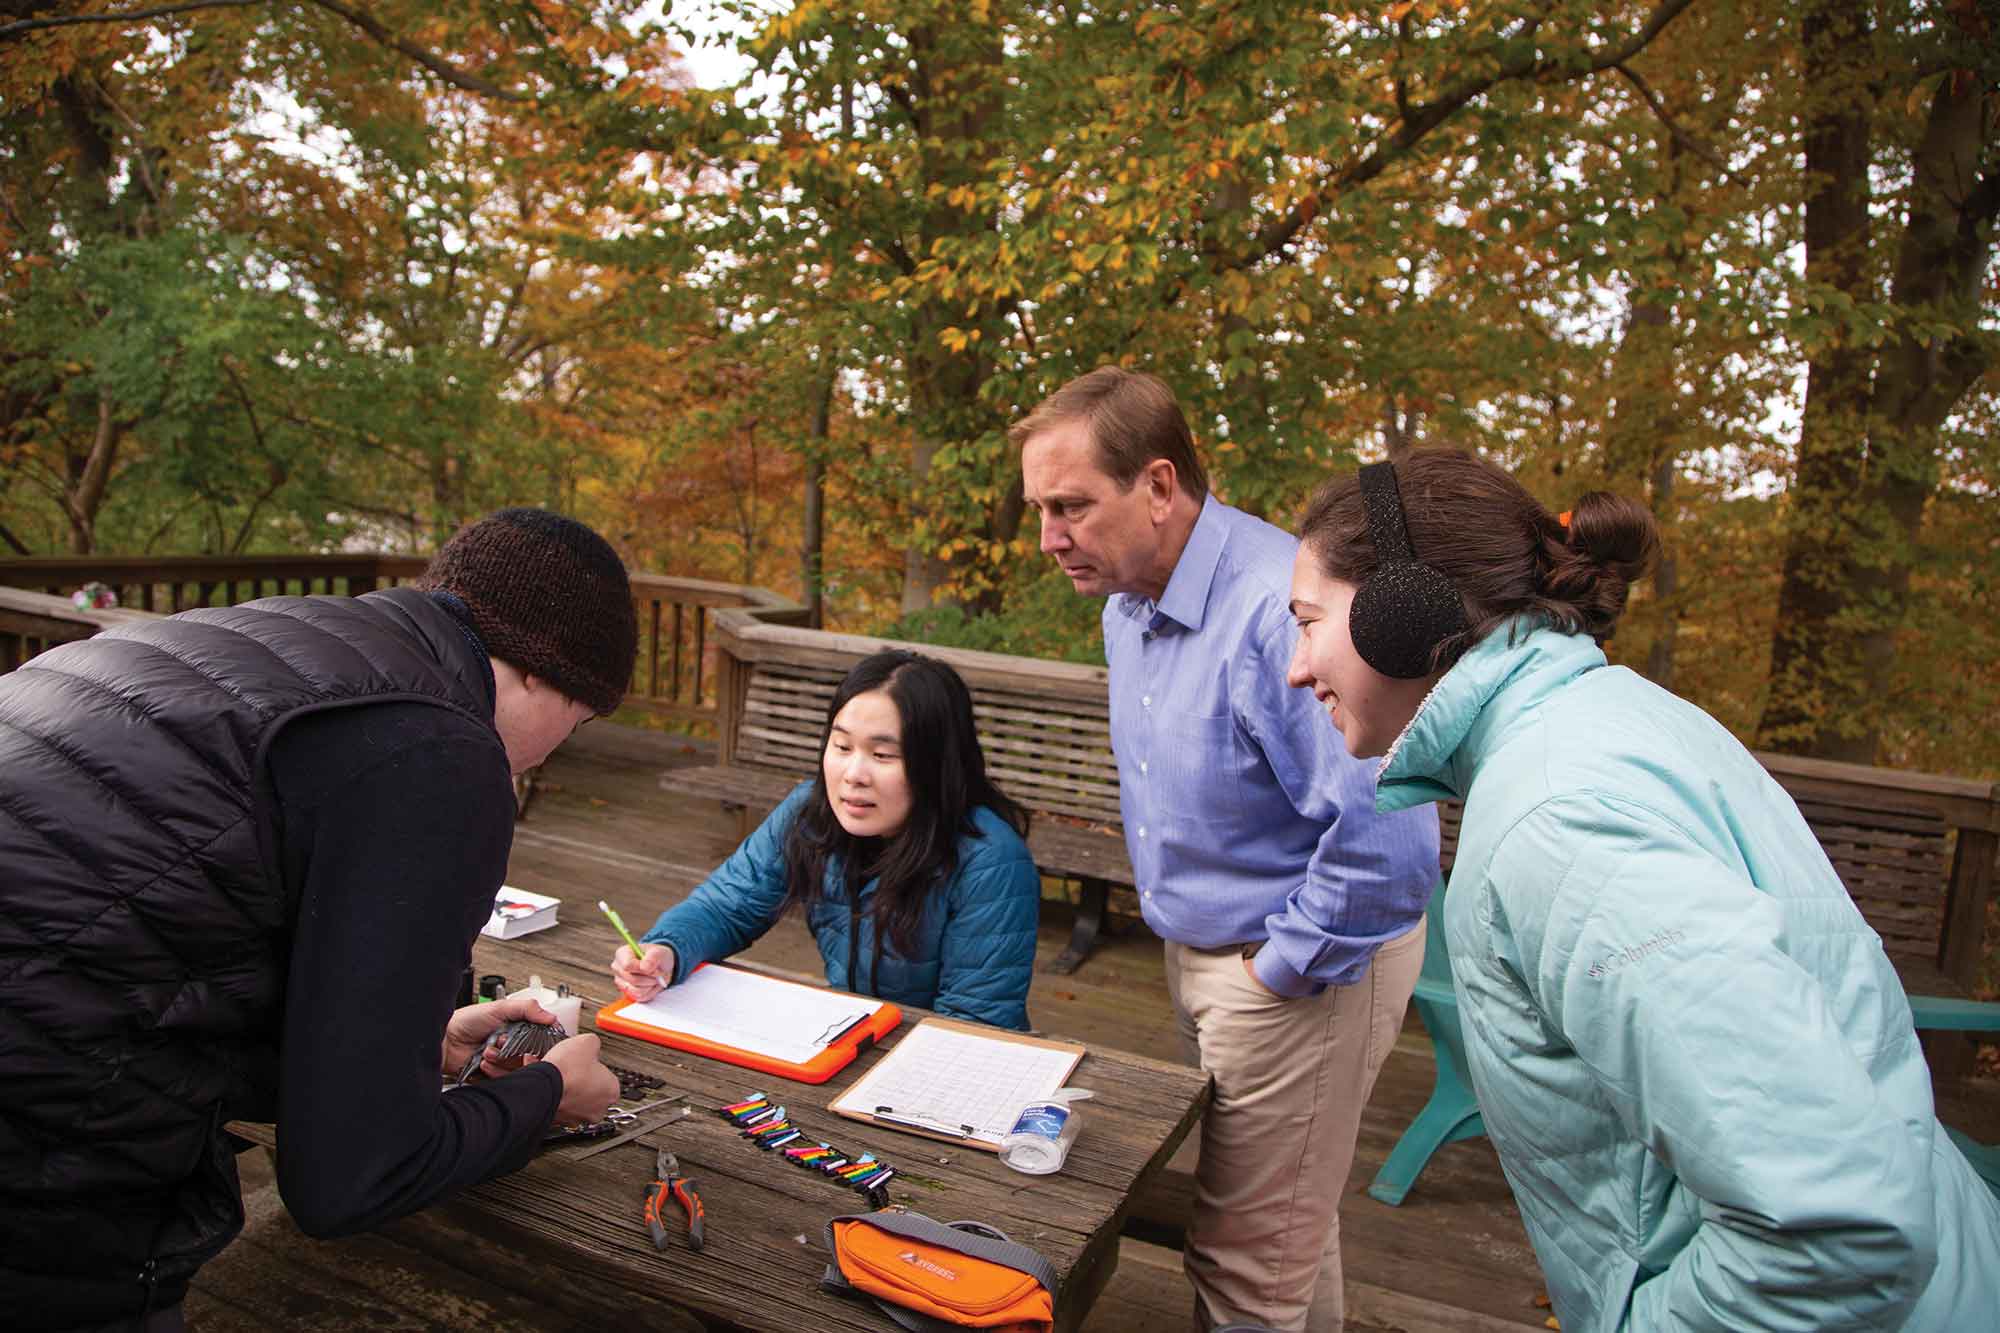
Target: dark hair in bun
x=1505, y=554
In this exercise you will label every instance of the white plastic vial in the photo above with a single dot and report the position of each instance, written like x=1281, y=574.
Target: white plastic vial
x=1038, y=1144
x=568, y=1009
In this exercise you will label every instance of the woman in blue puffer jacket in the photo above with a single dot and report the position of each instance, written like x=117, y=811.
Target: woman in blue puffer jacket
x=907, y=861
x=1695, y=1061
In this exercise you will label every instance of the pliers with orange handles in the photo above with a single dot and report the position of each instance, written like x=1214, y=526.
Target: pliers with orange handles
x=671, y=1183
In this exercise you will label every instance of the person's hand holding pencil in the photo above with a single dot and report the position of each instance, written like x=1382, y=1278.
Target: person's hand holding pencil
x=641, y=970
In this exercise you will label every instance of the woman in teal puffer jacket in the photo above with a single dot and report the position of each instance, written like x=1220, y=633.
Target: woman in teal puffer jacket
x=906, y=860
x=1691, y=1054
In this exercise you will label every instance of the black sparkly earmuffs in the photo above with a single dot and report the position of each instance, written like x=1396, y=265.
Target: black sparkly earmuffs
x=1406, y=608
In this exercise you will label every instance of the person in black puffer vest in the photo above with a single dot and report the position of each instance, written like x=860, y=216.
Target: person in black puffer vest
x=244, y=854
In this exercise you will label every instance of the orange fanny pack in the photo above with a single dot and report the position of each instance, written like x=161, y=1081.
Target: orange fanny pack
x=933, y=1276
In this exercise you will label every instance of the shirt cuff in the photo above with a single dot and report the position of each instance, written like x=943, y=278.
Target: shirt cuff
x=682, y=964
x=550, y=1079
x=1278, y=977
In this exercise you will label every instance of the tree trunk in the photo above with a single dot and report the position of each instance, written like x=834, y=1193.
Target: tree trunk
x=1666, y=582
x=1641, y=450
x=923, y=571
x=1229, y=224
x=957, y=95
x=812, y=547
x=1868, y=448
x=1400, y=428
x=89, y=475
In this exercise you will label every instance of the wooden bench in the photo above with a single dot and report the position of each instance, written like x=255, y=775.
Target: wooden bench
x=1045, y=728
x=1916, y=850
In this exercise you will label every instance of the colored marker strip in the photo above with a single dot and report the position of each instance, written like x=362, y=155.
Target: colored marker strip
x=767, y=1126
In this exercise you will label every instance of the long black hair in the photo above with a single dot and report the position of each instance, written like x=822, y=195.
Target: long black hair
x=946, y=773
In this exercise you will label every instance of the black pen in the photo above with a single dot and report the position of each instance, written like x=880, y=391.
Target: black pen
x=887, y=1115
x=845, y=1028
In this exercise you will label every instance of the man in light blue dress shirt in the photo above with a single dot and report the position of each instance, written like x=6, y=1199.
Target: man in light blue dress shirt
x=1292, y=911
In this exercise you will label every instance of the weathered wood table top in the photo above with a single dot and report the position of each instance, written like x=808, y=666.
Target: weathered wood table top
x=766, y=1217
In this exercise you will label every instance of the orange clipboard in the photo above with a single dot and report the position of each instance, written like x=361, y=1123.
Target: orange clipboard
x=764, y=996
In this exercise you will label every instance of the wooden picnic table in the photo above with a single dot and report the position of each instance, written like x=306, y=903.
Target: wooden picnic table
x=766, y=1217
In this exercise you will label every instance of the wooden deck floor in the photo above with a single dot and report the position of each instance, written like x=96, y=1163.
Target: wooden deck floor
x=1454, y=1257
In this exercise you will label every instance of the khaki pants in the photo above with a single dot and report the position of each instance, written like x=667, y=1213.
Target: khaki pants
x=1291, y=1077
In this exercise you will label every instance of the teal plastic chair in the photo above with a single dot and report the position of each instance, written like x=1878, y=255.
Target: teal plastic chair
x=1937, y=1013
x=1452, y=1113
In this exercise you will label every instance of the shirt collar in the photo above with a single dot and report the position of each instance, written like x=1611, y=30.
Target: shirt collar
x=1466, y=715
x=461, y=615
x=1185, y=601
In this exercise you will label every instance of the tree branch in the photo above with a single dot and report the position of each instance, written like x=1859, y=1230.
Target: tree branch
x=275, y=471
x=249, y=408
x=368, y=23
x=893, y=247
x=1982, y=204
x=900, y=95
x=140, y=152
x=1680, y=136
x=444, y=69
x=1360, y=170
x=20, y=26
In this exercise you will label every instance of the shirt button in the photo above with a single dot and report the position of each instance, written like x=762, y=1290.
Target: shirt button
x=1146, y=893
x=1147, y=635
x=1142, y=766
x=1145, y=701
x=1142, y=830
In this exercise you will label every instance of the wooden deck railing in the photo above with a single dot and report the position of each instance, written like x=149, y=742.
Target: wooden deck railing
x=675, y=676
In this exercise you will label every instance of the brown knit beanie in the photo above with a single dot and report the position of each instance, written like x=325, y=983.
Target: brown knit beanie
x=549, y=596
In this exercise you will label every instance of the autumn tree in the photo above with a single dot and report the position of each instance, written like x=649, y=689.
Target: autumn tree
x=295, y=256
x=1900, y=122
x=1029, y=191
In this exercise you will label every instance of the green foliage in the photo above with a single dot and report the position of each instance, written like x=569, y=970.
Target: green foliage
x=275, y=278
x=529, y=263
x=1045, y=618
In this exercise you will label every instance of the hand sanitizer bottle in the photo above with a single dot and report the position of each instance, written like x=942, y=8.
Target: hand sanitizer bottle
x=1039, y=1142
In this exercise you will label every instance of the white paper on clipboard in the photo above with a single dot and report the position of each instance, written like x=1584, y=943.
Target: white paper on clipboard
x=957, y=1081
x=762, y=1015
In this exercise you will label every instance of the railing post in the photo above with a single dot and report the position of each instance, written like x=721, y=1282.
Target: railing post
x=700, y=651
x=653, y=654
x=674, y=692
x=1960, y=941
x=732, y=681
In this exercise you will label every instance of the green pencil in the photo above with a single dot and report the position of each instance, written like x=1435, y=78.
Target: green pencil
x=638, y=952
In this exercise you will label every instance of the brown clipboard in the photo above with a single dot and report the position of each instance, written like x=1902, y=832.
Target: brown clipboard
x=919, y=1123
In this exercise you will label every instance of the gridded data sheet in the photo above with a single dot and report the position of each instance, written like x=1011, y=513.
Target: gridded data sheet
x=957, y=1081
